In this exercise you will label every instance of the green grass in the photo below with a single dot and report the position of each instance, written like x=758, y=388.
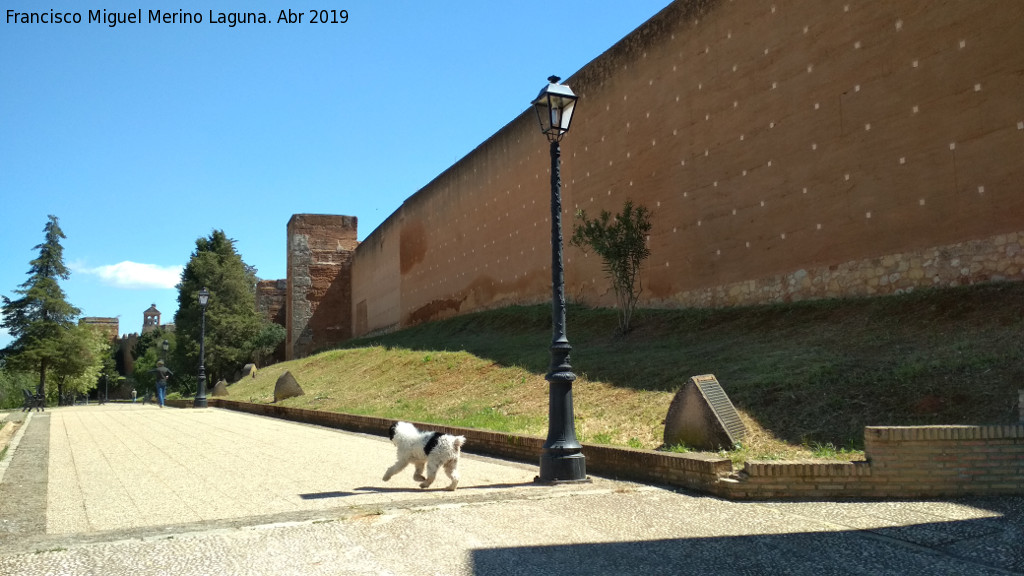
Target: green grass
x=805, y=377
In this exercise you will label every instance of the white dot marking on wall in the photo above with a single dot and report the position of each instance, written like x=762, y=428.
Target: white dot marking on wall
x=867, y=215
x=914, y=63
x=903, y=160
x=867, y=127
x=899, y=25
x=963, y=44
x=810, y=68
x=921, y=202
x=818, y=227
x=981, y=189
x=1020, y=125
x=856, y=45
x=952, y=145
x=814, y=146
x=977, y=87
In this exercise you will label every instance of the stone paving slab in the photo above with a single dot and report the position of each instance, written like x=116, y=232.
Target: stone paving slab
x=132, y=489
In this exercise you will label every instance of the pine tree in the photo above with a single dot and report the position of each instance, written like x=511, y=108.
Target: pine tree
x=233, y=326
x=40, y=317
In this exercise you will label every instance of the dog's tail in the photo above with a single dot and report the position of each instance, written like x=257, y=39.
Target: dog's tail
x=459, y=442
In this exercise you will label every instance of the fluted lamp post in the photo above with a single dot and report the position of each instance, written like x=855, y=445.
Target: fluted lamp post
x=200, y=400
x=561, y=458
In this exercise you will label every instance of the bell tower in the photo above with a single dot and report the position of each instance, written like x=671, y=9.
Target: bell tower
x=150, y=319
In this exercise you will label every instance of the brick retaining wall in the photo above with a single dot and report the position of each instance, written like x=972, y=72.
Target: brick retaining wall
x=902, y=461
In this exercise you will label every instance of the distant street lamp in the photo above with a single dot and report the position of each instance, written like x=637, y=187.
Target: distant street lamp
x=200, y=400
x=561, y=459
x=165, y=346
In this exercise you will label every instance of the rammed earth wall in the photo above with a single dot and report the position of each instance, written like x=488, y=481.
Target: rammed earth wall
x=902, y=462
x=787, y=150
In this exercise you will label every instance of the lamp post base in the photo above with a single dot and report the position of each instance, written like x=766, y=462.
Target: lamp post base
x=562, y=469
x=199, y=402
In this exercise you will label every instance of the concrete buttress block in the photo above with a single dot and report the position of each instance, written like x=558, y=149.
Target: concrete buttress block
x=702, y=416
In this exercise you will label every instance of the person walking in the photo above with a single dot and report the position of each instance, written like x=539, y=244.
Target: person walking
x=162, y=375
x=134, y=395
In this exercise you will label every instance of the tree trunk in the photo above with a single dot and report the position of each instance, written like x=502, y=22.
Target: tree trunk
x=42, y=378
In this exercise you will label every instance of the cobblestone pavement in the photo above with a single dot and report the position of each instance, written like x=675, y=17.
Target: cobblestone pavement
x=131, y=489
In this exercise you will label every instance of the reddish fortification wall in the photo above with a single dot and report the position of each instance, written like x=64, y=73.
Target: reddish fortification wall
x=787, y=150
x=319, y=285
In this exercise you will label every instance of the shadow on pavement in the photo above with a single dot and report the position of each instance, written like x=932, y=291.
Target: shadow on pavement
x=964, y=547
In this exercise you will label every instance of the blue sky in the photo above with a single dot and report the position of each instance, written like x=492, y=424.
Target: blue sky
x=143, y=137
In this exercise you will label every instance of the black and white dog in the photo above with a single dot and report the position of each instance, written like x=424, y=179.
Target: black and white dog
x=430, y=450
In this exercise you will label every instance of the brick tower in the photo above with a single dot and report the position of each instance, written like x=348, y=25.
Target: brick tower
x=319, y=294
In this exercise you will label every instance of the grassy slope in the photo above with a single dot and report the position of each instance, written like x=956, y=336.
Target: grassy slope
x=800, y=374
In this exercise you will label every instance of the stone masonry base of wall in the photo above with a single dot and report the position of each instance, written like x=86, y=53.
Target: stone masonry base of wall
x=902, y=461
x=996, y=258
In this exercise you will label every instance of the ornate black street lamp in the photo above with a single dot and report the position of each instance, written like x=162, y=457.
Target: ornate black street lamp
x=562, y=458
x=200, y=400
x=165, y=346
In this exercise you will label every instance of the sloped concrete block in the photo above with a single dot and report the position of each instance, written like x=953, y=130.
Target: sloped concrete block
x=287, y=387
x=701, y=416
x=220, y=388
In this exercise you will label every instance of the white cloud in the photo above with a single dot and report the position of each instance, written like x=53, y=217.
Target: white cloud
x=135, y=275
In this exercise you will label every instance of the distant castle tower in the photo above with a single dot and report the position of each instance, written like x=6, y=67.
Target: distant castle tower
x=150, y=319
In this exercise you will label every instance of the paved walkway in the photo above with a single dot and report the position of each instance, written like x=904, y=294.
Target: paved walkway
x=133, y=489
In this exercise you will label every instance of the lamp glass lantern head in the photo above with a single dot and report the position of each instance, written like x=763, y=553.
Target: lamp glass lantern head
x=204, y=297
x=165, y=345
x=554, y=106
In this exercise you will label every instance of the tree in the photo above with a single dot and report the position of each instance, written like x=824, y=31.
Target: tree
x=621, y=242
x=147, y=351
x=11, y=385
x=41, y=315
x=80, y=362
x=235, y=332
